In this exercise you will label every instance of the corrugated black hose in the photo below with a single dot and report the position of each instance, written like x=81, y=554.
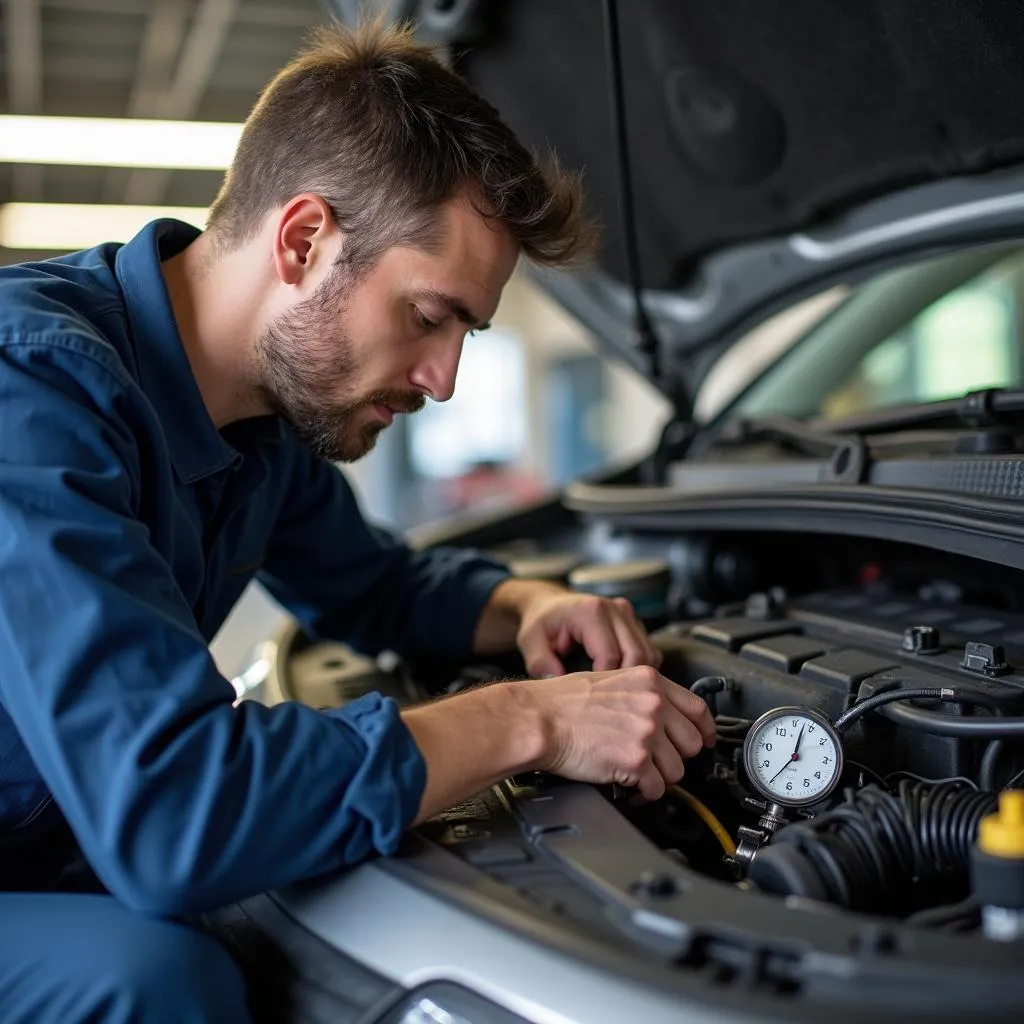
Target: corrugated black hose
x=865, y=853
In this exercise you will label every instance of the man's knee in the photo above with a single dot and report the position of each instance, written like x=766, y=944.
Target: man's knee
x=83, y=958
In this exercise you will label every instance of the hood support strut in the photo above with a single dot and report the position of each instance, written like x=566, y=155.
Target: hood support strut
x=645, y=338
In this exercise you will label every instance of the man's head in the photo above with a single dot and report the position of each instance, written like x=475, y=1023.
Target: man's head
x=389, y=204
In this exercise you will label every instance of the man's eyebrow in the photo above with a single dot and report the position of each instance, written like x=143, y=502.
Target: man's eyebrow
x=456, y=307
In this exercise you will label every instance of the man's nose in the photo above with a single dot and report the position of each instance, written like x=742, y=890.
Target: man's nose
x=435, y=373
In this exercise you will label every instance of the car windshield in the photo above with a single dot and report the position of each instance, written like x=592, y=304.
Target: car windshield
x=923, y=332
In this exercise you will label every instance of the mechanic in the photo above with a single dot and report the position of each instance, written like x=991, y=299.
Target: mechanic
x=172, y=412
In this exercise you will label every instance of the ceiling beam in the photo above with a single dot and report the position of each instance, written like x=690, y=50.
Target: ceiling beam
x=24, y=60
x=24, y=57
x=101, y=6
x=180, y=101
x=275, y=13
x=161, y=42
x=205, y=42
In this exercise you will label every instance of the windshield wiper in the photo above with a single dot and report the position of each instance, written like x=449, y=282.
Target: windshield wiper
x=841, y=442
x=986, y=408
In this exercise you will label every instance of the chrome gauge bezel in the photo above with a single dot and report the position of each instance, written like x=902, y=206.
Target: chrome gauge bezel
x=748, y=755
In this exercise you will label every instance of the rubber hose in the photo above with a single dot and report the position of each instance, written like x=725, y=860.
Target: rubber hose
x=867, y=852
x=939, y=724
x=860, y=709
x=707, y=687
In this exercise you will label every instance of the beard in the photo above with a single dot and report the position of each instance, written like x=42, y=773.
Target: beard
x=305, y=359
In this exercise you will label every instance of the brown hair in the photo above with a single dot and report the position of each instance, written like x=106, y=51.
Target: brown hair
x=377, y=125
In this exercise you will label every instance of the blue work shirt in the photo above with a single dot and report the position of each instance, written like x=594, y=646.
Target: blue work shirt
x=129, y=526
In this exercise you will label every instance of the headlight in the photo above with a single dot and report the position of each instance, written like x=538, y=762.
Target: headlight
x=444, y=1003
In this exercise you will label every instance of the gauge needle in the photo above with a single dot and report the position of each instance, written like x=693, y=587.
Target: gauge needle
x=799, y=739
x=795, y=756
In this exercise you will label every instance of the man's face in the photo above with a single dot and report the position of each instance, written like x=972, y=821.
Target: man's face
x=339, y=365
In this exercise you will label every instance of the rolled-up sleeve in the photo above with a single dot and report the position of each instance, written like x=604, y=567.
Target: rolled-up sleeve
x=348, y=580
x=180, y=801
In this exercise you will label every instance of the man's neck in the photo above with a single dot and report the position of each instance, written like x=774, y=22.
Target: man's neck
x=216, y=307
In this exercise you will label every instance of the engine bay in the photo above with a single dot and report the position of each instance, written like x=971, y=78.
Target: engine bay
x=866, y=704
x=782, y=673
x=874, y=811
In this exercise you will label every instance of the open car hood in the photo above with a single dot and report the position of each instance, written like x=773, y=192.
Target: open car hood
x=775, y=148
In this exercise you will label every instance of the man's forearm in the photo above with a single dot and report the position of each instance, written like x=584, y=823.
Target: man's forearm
x=631, y=726
x=474, y=740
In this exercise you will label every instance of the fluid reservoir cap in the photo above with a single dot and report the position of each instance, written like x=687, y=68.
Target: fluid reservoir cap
x=1002, y=834
x=554, y=565
x=645, y=582
x=620, y=578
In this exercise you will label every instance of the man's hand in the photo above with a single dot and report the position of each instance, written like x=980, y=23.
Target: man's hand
x=631, y=726
x=546, y=621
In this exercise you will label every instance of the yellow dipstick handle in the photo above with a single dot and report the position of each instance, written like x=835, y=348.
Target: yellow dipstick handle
x=1002, y=834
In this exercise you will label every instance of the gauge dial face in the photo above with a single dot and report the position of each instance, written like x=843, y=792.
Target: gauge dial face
x=793, y=756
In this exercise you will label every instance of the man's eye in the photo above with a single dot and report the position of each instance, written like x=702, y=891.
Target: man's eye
x=425, y=322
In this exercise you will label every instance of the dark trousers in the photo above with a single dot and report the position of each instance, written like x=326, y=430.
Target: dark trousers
x=71, y=958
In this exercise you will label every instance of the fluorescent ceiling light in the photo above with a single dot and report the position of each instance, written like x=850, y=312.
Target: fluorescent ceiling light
x=113, y=142
x=67, y=226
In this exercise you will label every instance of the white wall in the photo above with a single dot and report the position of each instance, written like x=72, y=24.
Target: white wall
x=635, y=410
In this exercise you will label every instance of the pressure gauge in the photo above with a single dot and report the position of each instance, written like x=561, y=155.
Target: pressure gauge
x=793, y=756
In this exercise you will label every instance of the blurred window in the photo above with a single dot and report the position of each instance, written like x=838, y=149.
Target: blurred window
x=925, y=331
x=966, y=340
x=485, y=420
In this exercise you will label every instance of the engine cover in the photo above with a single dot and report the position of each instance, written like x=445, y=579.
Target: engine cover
x=829, y=649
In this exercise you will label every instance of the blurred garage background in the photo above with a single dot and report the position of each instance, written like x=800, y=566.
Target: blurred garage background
x=534, y=406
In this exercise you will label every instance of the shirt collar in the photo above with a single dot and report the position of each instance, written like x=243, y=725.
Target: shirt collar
x=196, y=447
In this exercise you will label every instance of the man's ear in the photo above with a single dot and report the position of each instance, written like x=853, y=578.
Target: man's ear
x=303, y=237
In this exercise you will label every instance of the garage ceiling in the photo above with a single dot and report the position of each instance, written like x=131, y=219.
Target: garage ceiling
x=180, y=59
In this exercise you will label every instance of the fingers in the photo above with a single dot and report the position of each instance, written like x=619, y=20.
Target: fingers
x=656, y=770
x=651, y=783
x=687, y=717
x=667, y=759
x=679, y=734
x=614, y=637
x=634, y=643
x=667, y=734
x=609, y=631
x=598, y=635
x=539, y=656
x=664, y=768
x=694, y=710
x=685, y=737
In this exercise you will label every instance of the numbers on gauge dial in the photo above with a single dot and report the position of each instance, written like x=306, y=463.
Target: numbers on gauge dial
x=794, y=757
